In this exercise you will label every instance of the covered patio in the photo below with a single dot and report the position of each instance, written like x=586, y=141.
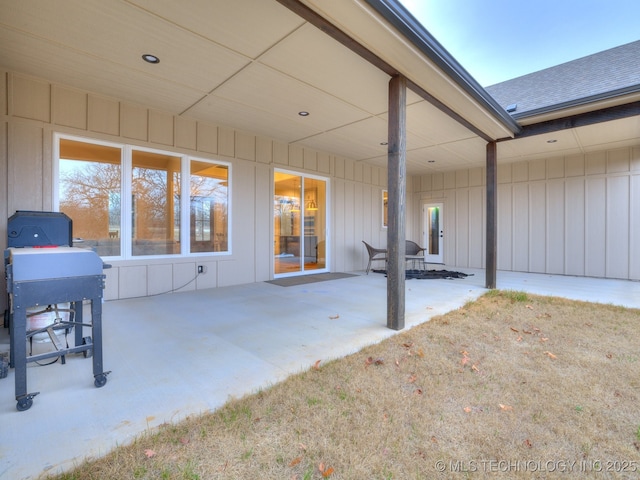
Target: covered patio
x=182, y=354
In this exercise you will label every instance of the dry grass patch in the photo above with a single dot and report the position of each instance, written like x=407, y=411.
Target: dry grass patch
x=508, y=385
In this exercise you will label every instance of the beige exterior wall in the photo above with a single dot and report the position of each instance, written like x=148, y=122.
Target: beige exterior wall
x=574, y=215
x=577, y=215
x=33, y=110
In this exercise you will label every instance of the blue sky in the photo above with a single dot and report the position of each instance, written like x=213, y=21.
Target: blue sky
x=496, y=40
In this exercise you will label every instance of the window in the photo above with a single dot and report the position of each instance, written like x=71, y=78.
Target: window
x=209, y=217
x=126, y=201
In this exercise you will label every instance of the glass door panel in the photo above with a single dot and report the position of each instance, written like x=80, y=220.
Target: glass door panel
x=433, y=233
x=315, y=219
x=299, y=224
x=286, y=223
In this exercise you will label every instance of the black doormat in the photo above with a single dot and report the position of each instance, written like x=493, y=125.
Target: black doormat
x=431, y=274
x=304, y=279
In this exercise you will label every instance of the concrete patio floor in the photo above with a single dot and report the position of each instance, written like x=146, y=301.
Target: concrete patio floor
x=176, y=355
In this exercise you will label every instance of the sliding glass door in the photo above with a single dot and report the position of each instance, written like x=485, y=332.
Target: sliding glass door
x=299, y=224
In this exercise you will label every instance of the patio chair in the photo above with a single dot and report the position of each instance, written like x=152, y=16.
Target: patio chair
x=414, y=253
x=375, y=254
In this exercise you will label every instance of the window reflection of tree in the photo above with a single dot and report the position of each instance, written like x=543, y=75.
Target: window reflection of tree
x=150, y=191
x=90, y=193
x=91, y=197
x=208, y=202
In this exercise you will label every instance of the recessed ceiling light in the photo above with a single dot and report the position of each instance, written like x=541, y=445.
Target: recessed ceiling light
x=147, y=57
x=553, y=140
x=303, y=114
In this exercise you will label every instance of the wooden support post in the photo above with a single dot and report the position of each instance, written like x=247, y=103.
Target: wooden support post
x=492, y=213
x=397, y=188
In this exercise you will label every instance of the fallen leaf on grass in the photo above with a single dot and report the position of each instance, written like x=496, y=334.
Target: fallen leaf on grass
x=551, y=355
x=326, y=472
x=149, y=453
x=333, y=317
x=475, y=369
x=505, y=407
x=184, y=441
x=407, y=345
x=467, y=409
x=528, y=443
x=544, y=339
x=316, y=366
x=529, y=307
x=371, y=360
x=295, y=461
x=412, y=378
x=519, y=339
x=514, y=329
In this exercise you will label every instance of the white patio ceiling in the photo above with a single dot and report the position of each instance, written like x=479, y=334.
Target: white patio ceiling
x=253, y=65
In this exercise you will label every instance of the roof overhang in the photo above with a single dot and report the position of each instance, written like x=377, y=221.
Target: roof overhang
x=402, y=45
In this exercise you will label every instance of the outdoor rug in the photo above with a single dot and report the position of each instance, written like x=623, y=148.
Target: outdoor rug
x=431, y=274
x=304, y=279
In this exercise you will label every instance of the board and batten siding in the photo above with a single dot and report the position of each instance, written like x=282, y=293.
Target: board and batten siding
x=34, y=109
x=576, y=215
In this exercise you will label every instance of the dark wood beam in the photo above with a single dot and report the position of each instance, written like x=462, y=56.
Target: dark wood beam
x=580, y=120
x=397, y=191
x=492, y=215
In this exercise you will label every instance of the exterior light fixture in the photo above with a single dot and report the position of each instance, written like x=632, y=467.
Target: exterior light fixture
x=303, y=113
x=384, y=143
x=147, y=57
x=431, y=161
x=553, y=140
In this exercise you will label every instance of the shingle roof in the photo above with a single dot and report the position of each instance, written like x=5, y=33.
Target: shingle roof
x=612, y=70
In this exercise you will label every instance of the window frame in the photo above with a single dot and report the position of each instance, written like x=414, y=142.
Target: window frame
x=126, y=190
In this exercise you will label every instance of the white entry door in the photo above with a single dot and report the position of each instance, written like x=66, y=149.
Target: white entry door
x=433, y=232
